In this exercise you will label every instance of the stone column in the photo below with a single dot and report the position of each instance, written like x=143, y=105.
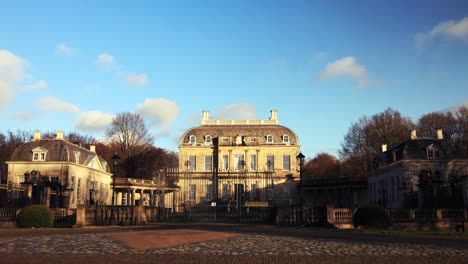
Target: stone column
x=133, y=196
x=118, y=196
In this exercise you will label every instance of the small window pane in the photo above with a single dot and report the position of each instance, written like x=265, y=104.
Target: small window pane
x=286, y=163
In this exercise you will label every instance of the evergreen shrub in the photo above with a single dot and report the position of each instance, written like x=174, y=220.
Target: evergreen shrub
x=35, y=216
x=371, y=216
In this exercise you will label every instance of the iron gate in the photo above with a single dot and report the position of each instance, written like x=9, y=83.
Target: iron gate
x=216, y=196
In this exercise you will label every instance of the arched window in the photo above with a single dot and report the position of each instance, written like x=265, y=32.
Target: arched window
x=208, y=139
x=192, y=139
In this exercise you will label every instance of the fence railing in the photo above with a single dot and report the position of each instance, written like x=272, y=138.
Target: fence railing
x=344, y=216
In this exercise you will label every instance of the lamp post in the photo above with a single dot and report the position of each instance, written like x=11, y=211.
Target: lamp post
x=115, y=159
x=300, y=161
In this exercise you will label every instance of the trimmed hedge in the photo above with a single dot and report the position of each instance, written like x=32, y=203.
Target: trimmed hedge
x=35, y=216
x=371, y=216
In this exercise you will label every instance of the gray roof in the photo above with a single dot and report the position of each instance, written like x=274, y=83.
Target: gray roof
x=416, y=149
x=57, y=150
x=258, y=131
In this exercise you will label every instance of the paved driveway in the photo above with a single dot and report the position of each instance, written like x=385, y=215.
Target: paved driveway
x=219, y=243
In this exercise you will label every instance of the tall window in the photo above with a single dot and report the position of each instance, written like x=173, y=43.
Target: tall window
x=208, y=192
x=225, y=193
x=78, y=190
x=286, y=162
x=253, y=162
x=225, y=164
x=208, y=163
x=239, y=161
x=192, y=163
x=192, y=192
x=270, y=162
x=253, y=191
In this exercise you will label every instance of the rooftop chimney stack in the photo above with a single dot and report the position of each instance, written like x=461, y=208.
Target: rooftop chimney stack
x=384, y=147
x=206, y=115
x=413, y=134
x=274, y=115
x=59, y=135
x=37, y=135
x=440, y=134
x=92, y=148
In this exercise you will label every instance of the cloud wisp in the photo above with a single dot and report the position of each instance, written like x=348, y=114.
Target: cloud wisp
x=158, y=111
x=12, y=71
x=243, y=111
x=93, y=121
x=64, y=50
x=448, y=29
x=56, y=105
x=106, y=61
x=39, y=85
x=346, y=67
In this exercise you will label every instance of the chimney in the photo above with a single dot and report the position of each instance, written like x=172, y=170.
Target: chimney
x=274, y=115
x=92, y=148
x=37, y=135
x=59, y=135
x=413, y=134
x=384, y=147
x=440, y=134
x=206, y=115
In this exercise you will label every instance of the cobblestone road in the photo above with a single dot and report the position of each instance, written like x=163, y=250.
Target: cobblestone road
x=246, y=247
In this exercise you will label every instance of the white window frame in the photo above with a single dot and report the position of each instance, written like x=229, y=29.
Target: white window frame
x=192, y=192
x=193, y=162
x=208, y=139
x=208, y=163
x=237, y=159
x=269, y=139
x=288, y=163
x=253, y=162
x=225, y=163
x=286, y=139
x=208, y=192
x=192, y=139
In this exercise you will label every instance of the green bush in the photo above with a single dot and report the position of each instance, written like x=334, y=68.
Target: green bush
x=35, y=216
x=371, y=216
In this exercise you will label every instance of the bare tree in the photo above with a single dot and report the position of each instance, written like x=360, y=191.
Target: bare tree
x=365, y=138
x=8, y=143
x=429, y=123
x=130, y=134
x=131, y=138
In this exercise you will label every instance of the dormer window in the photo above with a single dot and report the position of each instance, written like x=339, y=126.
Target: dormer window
x=432, y=152
x=286, y=139
x=208, y=139
x=269, y=139
x=77, y=157
x=39, y=154
x=192, y=139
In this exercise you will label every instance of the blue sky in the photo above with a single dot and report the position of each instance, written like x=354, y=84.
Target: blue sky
x=72, y=65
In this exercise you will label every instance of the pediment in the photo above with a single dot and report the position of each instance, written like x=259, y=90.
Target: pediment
x=39, y=149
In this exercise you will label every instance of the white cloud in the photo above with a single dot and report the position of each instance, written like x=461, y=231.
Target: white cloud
x=64, y=49
x=447, y=29
x=93, y=121
x=12, y=70
x=243, y=111
x=106, y=61
x=39, y=85
x=346, y=67
x=159, y=111
x=136, y=79
x=54, y=104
